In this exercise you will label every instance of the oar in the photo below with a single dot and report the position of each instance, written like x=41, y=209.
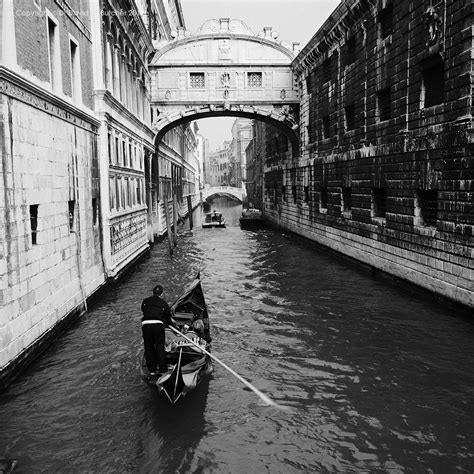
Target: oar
x=262, y=396
x=177, y=373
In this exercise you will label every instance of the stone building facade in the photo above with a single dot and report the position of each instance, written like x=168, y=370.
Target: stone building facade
x=241, y=136
x=385, y=174
x=77, y=157
x=50, y=232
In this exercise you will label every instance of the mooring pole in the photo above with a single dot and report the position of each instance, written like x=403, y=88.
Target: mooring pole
x=168, y=224
x=175, y=220
x=190, y=212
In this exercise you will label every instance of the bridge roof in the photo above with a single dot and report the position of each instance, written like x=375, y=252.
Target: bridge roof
x=223, y=42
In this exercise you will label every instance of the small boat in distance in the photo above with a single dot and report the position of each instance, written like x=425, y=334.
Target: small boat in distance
x=187, y=362
x=213, y=219
x=251, y=219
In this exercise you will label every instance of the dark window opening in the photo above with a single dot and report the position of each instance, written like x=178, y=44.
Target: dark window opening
x=323, y=197
x=306, y=194
x=283, y=193
x=346, y=199
x=94, y=211
x=379, y=202
x=326, y=127
x=384, y=104
x=433, y=84
x=327, y=70
x=308, y=83
x=386, y=21
x=349, y=112
x=52, y=53
x=71, y=206
x=294, y=193
x=34, y=223
x=427, y=206
x=351, y=50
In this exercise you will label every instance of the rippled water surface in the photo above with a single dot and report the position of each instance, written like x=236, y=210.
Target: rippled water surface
x=369, y=376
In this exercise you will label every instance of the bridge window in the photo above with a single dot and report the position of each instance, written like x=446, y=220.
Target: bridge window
x=254, y=79
x=197, y=80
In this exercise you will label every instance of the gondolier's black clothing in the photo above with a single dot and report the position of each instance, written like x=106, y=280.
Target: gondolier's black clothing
x=156, y=315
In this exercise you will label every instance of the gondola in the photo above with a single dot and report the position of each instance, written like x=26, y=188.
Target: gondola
x=187, y=362
x=251, y=219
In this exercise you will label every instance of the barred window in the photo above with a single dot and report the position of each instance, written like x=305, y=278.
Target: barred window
x=34, y=223
x=349, y=113
x=433, y=82
x=351, y=50
x=326, y=127
x=254, y=79
x=385, y=18
x=346, y=199
x=384, y=104
x=426, y=207
x=327, y=70
x=197, y=80
x=379, y=202
x=323, y=198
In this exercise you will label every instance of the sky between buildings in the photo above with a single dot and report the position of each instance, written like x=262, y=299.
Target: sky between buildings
x=293, y=20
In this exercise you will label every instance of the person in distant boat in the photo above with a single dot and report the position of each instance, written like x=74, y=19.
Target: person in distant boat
x=156, y=316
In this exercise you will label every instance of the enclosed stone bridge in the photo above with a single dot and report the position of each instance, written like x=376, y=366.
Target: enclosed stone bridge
x=225, y=191
x=224, y=70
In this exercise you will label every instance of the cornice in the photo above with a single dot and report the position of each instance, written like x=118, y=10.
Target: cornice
x=109, y=99
x=334, y=30
x=15, y=86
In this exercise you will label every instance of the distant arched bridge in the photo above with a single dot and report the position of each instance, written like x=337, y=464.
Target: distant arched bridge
x=227, y=191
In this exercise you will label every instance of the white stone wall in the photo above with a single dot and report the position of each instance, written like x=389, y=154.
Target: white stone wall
x=46, y=161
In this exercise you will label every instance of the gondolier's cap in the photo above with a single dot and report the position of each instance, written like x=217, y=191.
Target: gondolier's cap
x=157, y=290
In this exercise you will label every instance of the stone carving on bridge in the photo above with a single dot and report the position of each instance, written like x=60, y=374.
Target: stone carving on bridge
x=224, y=49
x=433, y=26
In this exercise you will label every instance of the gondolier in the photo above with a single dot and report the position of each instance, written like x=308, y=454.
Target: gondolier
x=156, y=316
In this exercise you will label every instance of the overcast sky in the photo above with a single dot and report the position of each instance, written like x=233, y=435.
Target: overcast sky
x=293, y=20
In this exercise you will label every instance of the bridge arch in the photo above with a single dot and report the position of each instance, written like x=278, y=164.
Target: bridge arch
x=225, y=70
x=231, y=192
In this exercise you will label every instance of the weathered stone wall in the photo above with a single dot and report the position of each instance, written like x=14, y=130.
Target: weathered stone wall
x=386, y=169
x=46, y=162
x=50, y=230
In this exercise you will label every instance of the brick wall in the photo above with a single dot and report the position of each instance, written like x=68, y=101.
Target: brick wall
x=386, y=169
x=32, y=42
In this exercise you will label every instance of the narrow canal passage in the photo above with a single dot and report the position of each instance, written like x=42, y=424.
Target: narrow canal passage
x=372, y=378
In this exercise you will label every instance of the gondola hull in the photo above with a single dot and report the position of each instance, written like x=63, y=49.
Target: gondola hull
x=185, y=357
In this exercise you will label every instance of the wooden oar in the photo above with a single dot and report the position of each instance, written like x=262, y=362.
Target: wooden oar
x=262, y=396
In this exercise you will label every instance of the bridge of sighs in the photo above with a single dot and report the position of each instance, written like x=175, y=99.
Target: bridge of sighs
x=224, y=70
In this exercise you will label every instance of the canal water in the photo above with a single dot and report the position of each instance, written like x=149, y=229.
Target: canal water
x=368, y=376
